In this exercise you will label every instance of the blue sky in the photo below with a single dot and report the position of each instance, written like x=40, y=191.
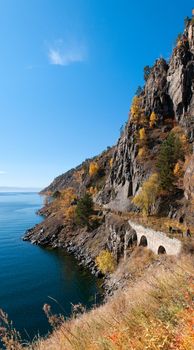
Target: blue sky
x=69, y=70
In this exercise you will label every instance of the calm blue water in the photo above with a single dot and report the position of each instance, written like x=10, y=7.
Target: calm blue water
x=29, y=274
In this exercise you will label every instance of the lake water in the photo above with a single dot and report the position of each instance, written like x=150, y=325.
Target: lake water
x=29, y=275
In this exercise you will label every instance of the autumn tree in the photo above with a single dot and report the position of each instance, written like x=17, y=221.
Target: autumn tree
x=67, y=197
x=142, y=134
x=106, y=262
x=142, y=152
x=93, y=168
x=111, y=162
x=70, y=214
x=145, y=199
x=136, y=108
x=171, y=151
x=153, y=119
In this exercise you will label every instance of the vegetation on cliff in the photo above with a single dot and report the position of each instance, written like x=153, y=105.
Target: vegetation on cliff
x=149, y=172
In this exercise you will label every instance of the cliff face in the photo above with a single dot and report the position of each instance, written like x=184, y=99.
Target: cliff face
x=169, y=92
x=115, y=176
x=79, y=177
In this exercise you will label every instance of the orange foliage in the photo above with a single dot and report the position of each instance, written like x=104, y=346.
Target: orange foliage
x=111, y=162
x=67, y=197
x=153, y=119
x=178, y=169
x=142, y=134
x=70, y=213
x=93, y=168
x=141, y=152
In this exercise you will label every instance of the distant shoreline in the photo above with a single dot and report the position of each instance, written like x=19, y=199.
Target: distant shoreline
x=19, y=189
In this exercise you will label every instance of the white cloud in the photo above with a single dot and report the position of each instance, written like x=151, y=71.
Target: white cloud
x=65, y=53
x=2, y=172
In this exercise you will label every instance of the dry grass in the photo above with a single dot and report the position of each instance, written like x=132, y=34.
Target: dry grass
x=155, y=313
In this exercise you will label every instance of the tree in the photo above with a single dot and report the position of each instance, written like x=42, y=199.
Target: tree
x=84, y=209
x=153, y=119
x=93, y=168
x=142, y=152
x=171, y=151
x=111, y=162
x=106, y=261
x=142, y=134
x=136, y=108
x=145, y=199
x=147, y=71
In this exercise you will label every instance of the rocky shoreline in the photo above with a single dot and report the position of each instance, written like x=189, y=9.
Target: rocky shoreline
x=53, y=232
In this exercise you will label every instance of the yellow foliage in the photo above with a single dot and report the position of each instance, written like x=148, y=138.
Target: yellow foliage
x=111, y=162
x=93, y=169
x=141, y=152
x=106, y=261
x=183, y=139
x=67, y=196
x=70, y=213
x=146, y=197
x=177, y=170
x=135, y=108
x=142, y=134
x=179, y=44
x=153, y=119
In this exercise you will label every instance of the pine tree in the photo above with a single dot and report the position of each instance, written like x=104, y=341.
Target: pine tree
x=84, y=209
x=171, y=151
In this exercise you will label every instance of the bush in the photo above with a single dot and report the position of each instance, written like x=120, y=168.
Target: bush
x=84, y=209
x=153, y=119
x=106, y=262
x=70, y=214
x=136, y=108
x=111, y=162
x=142, y=152
x=171, y=151
x=146, y=198
x=93, y=168
x=142, y=134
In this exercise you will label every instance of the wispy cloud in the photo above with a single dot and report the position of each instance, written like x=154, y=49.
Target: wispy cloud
x=2, y=172
x=64, y=53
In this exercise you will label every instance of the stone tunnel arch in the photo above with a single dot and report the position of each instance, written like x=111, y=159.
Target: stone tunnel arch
x=143, y=241
x=161, y=250
x=134, y=239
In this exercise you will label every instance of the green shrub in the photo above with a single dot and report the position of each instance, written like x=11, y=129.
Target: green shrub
x=171, y=151
x=84, y=209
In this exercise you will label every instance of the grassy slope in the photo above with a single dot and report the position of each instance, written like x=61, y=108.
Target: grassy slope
x=155, y=312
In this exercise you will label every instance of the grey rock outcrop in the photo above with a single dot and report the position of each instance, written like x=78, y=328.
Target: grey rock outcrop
x=169, y=92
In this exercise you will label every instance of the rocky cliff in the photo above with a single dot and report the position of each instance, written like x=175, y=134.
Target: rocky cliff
x=165, y=104
x=168, y=92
